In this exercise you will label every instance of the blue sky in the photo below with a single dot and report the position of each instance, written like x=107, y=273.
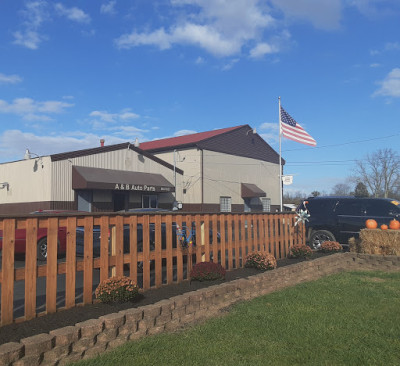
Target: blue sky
x=72, y=72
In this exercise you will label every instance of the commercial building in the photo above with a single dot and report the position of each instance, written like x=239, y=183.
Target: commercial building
x=106, y=178
x=226, y=170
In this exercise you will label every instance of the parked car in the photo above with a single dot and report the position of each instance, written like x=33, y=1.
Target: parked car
x=20, y=242
x=340, y=218
x=20, y=236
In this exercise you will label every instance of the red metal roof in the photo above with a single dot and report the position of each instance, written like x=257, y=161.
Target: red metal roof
x=184, y=140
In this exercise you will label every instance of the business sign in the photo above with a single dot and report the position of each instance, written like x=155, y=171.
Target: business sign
x=141, y=187
x=287, y=180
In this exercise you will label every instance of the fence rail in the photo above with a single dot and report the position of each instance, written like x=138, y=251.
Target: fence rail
x=152, y=249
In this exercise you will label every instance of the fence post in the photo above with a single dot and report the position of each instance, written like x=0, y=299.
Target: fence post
x=30, y=268
x=7, y=284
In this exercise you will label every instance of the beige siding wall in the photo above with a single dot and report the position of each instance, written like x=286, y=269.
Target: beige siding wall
x=120, y=160
x=223, y=175
x=29, y=180
x=190, y=162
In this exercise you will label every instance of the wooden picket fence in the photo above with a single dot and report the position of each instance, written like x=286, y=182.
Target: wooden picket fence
x=159, y=261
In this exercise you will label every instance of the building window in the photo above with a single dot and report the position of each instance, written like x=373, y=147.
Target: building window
x=149, y=201
x=225, y=204
x=84, y=200
x=247, y=206
x=266, y=204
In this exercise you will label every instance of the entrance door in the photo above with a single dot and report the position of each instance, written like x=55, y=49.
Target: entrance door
x=84, y=200
x=120, y=200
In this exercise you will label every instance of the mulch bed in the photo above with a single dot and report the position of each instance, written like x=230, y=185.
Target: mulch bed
x=44, y=324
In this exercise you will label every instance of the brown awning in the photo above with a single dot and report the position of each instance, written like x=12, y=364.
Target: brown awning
x=120, y=180
x=251, y=190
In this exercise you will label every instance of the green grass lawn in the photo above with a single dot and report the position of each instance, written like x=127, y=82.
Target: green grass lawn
x=346, y=319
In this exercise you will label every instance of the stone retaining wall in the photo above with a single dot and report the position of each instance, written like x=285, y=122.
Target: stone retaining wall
x=92, y=337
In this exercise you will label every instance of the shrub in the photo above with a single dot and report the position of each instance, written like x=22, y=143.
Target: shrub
x=260, y=261
x=331, y=247
x=117, y=289
x=207, y=271
x=300, y=251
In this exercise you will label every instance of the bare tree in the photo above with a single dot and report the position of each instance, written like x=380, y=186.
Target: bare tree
x=379, y=171
x=294, y=197
x=341, y=189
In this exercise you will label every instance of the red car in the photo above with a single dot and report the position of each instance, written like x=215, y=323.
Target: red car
x=20, y=242
x=20, y=238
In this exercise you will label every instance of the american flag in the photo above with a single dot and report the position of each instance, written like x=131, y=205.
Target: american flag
x=293, y=131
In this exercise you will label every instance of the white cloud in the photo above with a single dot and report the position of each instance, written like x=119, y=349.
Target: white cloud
x=184, y=132
x=128, y=116
x=125, y=115
x=392, y=46
x=32, y=110
x=159, y=38
x=230, y=64
x=269, y=126
x=129, y=133
x=261, y=50
x=270, y=138
x=108, y=8
x=34, y=14
x=389, y=46
x=390, y=86
x=208, y=38
x=74, y=14
x=29, y=39
x=374, y=8
x=323, y=14
x=221, y=27
x=226, y=28
x=104, y=116
x=37, y=12
x=269, y=132
x=14, y=142
x=9, y=79
x=199, y=60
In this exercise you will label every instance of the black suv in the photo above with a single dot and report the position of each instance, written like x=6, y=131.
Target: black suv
x=340, y=218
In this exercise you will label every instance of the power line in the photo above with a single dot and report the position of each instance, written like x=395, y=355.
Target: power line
x=323, y=161
x=347, y=143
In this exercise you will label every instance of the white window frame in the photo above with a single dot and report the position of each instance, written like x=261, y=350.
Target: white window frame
x=266, y=204
x=225, y=204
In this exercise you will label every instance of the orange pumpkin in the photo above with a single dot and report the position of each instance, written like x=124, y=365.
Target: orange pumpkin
x=371, y=224
x=394, y=224
x=384, y=227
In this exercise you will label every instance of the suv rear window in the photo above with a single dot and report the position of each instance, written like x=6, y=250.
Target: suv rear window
x=320, y=207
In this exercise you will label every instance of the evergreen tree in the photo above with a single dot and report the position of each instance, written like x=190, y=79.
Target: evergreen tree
x=361, y=190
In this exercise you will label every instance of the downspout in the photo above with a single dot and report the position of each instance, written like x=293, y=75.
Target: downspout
x=202, y=179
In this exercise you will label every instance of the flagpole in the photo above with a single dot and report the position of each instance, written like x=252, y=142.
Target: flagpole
x=280, y=157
